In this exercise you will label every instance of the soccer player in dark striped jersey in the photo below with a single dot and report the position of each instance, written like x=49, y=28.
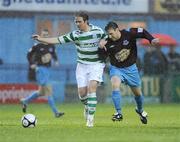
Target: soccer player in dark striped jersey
x=120, y=47
x=40, y=57
x=90, y=68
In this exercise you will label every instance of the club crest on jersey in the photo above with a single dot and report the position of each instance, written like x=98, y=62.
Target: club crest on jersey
x=125, y=42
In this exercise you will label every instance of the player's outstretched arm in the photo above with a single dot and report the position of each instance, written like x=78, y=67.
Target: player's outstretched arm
x=52, y=40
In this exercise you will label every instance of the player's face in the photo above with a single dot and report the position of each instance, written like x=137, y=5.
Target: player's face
x=114, y=34
x=80, y=23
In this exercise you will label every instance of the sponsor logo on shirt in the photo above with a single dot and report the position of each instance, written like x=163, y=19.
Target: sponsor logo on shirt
x=125, y=42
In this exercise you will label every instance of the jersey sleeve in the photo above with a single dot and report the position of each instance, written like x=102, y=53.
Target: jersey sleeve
x=141, y=33
x=66, y=38
x=31, y=55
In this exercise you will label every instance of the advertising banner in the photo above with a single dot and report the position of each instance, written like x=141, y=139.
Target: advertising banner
x=12, y=93
x=167, y=6
x=99, y=6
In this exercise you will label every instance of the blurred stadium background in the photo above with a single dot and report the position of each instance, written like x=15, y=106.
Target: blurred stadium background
x=19, y=19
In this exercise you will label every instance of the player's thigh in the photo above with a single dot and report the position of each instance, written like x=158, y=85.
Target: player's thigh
x=45, y=90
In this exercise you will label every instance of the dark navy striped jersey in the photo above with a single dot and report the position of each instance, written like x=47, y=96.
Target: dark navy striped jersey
x=42, y=54
x=123, y=52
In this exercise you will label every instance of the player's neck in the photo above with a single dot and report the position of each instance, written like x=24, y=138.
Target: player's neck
x=86, y=28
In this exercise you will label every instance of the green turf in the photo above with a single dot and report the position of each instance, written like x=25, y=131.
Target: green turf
x=163, y=125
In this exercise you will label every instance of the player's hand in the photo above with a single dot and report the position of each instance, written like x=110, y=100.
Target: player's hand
x=36, y=37
x=155, y=42
x=102, y=44
x=33, y=66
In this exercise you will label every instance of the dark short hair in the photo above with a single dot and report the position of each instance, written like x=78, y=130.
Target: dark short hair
x=111, y=25
x=82, y=14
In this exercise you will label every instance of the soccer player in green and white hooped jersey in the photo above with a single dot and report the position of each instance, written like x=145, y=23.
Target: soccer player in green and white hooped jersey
x=90, y=68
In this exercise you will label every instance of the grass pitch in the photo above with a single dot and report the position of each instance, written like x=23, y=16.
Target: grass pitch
x=163, y=124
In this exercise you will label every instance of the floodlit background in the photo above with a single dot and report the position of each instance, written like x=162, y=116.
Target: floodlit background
x=19, y=19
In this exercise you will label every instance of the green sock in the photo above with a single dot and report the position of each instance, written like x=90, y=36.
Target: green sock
x=91, y=102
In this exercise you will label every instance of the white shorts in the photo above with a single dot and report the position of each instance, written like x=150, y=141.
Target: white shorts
x=85, y=73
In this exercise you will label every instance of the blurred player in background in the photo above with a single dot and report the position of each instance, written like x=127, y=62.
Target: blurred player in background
x=89, y=69
x=120, y=47
x=40, y=57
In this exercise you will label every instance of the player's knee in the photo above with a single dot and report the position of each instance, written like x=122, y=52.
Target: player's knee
x=45, y=91
x=92, y=87
x=115, y=86
x=82, y=92
x=115, y=83
x=137, y=94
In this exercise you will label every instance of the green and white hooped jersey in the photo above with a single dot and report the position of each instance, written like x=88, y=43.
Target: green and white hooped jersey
x=87, y=44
